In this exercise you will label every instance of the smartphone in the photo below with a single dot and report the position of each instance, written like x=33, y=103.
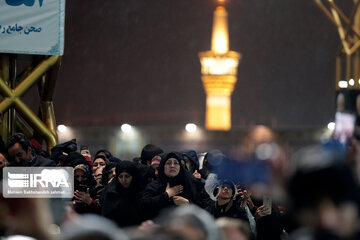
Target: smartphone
x=267, y=202
x=81, y=187
x=84, y=150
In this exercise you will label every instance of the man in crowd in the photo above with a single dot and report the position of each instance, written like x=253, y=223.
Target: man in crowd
x=20, y=153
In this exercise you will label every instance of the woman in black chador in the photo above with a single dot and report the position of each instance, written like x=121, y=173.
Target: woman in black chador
x=120, y=197
x=175, y=186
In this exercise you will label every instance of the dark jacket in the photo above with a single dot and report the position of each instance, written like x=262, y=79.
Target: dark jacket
x=40, y=161
x=232, y=210
x=271, y=226
x=122, y=204
x=154, y=198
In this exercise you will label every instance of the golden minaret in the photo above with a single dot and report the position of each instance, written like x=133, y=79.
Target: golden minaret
x=219, y=70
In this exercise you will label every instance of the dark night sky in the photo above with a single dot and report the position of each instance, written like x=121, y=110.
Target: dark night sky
x=136, y=61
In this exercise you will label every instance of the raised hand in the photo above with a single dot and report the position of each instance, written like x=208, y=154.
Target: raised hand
x=261, y=212
x=246, y=198
x=99, y=170
x=196, y=174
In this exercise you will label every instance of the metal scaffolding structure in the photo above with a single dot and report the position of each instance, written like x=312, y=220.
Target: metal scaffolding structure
x=348, y=57
x=15, y=114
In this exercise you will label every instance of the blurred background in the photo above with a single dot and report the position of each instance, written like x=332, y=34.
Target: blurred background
x=136, y=62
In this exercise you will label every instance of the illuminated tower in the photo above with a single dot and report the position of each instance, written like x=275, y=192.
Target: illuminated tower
x=219, y=70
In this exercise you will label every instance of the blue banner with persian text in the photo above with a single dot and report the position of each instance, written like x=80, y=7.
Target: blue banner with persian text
x=32, y=26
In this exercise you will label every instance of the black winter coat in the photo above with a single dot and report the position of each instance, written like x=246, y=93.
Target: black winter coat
x=154, y=197
x=122, y=204
x=231, y=210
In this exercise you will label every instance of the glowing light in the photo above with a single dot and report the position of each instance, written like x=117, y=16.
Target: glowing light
x=231, y=62
x=219, y=65
x=220, y=33
x=218, y=112
x=219, y=70
x=343, y=84
x=20, y=237
x=331, y=126
x=209, y=62
x=126, y=128
x=191, y=127
x=351, y=82
x=62, y=128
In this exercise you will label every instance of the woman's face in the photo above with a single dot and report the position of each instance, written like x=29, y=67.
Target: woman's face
x=156, y=168
x=79, y=175
x=226, y=192
x=172, y=167
x=125, y=179
x=97, y=164
x=111, y=175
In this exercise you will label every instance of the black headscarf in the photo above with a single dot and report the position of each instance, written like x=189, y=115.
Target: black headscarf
x=147, y=174
x=130, y=168
x=184, y=178
x=120, y=204
x=57, y=152
x=104, y=152
x=105, y=173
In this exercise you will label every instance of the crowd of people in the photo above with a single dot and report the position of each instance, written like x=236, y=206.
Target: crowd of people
x=265, y=193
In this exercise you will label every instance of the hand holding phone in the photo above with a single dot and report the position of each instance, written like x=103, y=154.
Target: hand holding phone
x=81, y=187
x=85, y=151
